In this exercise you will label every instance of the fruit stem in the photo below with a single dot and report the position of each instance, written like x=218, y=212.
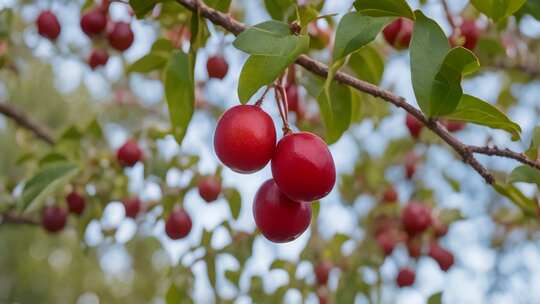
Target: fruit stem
x=259, y=101
x=281, y=100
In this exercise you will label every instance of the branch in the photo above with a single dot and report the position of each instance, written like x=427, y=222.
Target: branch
x=448, y=14
x=466, y=152
x=11, y=218
x=507, y=153
x=24, y=121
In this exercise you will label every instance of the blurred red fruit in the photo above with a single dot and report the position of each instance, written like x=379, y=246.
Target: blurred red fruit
x=48, y=25
x=443, y=257
x=132, y=207
x=209, y=188
x=217, y=67
x=54, y=219
x=75, y=202
x=129, y=153
x=415, y=218
x=178, y=225
x=405, y=277
x=398, y=33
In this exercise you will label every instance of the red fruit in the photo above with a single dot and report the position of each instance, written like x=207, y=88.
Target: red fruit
x=209, y=188
x=48, y=25
x=322, y=295
x=415, y=218
x=217, y=67
x=453, y=125
x=405, y=277
x=93, y=22
x=414, y=125
x=303, y=167
x=322, y=271
x=279, y=218
x=129, y=154
x=245, y=138
x=54, y=219
x=390, y=195
x=98, y=58
x=443, y=257
x=121, y=37
x=468, y=35
x=410, y=164
x=387, y=240
x=75, y=202
x=398, y=33
x=178, y=224
x=132, y=207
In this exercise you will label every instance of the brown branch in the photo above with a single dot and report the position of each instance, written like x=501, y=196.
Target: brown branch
x=466, y=152
x=507, y=153
x=24, y=121
x=448, y=14
x=318, y=68
x=11, y=218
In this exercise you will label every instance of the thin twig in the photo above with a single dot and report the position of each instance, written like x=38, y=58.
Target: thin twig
x=24, y=121
x=448, y=14
x=11, y=218
x=261, y=99
x=507, y=153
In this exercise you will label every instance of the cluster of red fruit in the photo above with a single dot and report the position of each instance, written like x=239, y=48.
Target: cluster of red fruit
x=177, y=225
x=302, y=168
x=411, y=228
x=399, y=33
x=93, y=23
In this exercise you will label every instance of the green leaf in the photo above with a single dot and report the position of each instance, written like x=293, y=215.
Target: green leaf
x=532, y=7
x=211, y=269
x=220, y=5
x=355, y=31
x=517, y=197
x=235, y=201
x=259, y=71
x=270, y=38
x=199, y=32
x=335, y=105
x=180, y=92
x=367, y=64
x=477, y=111
x=380, y=8
x=446, y=92
x=148, y=63
x=532, y=152
x=46, y=181
x=176, y=295
x=429, y=47
x=279, y=9
x=525, y=174
x=435, y=298
x=436, y=70
x=162, y=46
x=498, y=9
x=142, y=7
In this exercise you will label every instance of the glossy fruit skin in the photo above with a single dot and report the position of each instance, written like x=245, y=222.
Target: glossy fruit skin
x=279, y=218
x=209, y=188
x=405, y=277
x=303, y=167
x=443, y=257
x=178, y=225
x=129, y=153
x=98, y=58
x=292, y=97
x=132, y=207
x=322, y=272
x=76, y=203
x=217, y=67
x=53, y=219
x=245, y=138
x=121, y=36
x=93, y=22
x=454, y=126
x=414, y=125
x=415, y=218
x=398, y=33
x=48, y=25
x=390, y=195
